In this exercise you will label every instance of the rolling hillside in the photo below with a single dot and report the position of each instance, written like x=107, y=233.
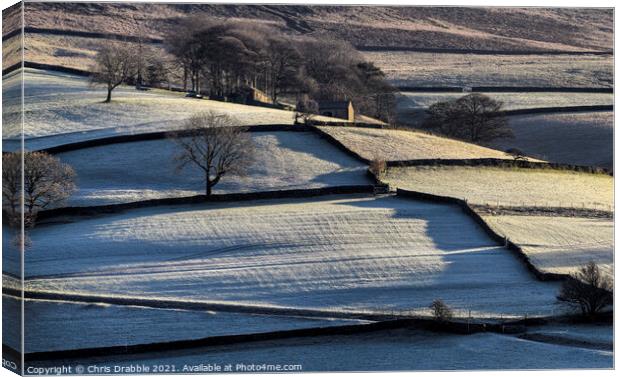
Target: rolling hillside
x=62, y=108
x=432, y=27
x=571, y=138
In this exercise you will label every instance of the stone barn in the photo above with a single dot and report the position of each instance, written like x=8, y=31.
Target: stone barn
x=337, y=109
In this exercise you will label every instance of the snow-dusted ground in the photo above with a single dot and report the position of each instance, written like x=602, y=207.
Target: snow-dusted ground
x=11, y=99
x=11, y=261
x=512, y=101
x=388, y=145
x=109, y=325
x=509, y=187
x=62, y=108
x=560, y=244
x=146, y=170
x=414, y=68
x=380, y=351
x=335, y=254
x=592, y=333
x=572, y=138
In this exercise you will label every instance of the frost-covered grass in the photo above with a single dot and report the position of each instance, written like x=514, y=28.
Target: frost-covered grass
x=10, y=251
x=338, y=254
x=593, y=333
x=11, y=99
x=509, y=186
x=99, y=325
x=61, y=108
x=146, y=170
x=428, y=69
x=390, y=145
x=401, y=350
x=574, y=138
x=560, y=244
x=512, y=101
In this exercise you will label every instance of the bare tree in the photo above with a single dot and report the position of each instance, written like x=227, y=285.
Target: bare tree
x=588, y=289
x=12, y=187
x=474, y=117
x=46, y=182
x=441, y=311
x=216, y=144
x=115, y=63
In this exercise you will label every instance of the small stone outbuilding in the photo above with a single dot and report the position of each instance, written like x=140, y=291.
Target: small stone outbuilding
x=337, y=109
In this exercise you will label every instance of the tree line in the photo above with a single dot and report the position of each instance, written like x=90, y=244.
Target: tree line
x=226, y=58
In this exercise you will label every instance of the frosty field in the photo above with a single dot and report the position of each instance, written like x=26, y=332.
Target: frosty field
x=146, y=170
x=405, y=68
x=61, y=108
x=560, y=244
x=391, y=145
x=387, y=350
x=369, y=254
x=512, y=101
x=99, y=325
x=591, y=333
x=573, y=138
x=509, y=187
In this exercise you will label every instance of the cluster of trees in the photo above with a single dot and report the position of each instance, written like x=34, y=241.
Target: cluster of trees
x=475, y=117
x=228, y=58
x=121, y=62
x=225, y=58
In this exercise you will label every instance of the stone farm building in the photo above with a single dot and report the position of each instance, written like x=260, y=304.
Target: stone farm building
x=337, y=109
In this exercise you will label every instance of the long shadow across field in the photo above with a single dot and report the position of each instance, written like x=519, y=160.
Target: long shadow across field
x=460, y=264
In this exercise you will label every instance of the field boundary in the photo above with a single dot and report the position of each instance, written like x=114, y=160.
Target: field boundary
x=438, y=50
x=43, y=66
x=81, y=34
x=163, y=303
x=536, y=110
x=500, y=163
x=159, y=135
x=559, y=109
x=501, y=240
x=418, y=323
x=338, y=144
x=201, y=199
x=505, y=89
x=493, y=162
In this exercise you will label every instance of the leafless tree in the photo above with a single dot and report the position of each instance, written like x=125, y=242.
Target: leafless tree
x=588, y=290
x=474, y=117
x=222, y=58
x=441, y=311
x=46, y=182
x=216, y=144
x=115, y=63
